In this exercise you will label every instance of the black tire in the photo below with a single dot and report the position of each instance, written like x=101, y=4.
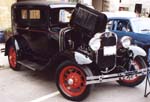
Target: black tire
x=71, y=81
x=12, y=58
x=138, y=79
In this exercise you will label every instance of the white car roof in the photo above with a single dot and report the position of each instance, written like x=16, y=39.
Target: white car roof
x=120, y=14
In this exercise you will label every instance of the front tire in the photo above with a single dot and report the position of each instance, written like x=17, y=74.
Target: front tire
x=12, y=58
x=137, y=63
x=71, y=81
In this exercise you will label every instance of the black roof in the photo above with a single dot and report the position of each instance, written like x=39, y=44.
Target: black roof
x=52, y=4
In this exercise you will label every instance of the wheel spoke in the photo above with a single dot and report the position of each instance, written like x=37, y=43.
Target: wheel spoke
x=72, y=80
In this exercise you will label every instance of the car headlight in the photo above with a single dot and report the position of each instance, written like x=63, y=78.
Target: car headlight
x=95, y=42
x=126, y=41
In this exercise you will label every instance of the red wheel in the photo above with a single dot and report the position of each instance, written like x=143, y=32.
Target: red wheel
x=71, y=81
x=137, y=63
x=12, y=58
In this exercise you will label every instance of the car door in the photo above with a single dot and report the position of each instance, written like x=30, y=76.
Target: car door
x=38, y=16
x=37, y=36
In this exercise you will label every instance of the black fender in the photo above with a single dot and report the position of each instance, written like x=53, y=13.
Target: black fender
x=18, y=41
x=9, y=42
x=56, y=60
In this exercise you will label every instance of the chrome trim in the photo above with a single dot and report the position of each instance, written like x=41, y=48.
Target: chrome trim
x=61, y=37
x=108, y=34
x=116, y=76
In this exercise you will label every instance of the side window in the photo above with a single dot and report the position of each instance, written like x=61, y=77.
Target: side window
x=21, y=16
x=64, y=16
x=38, y=16
x=34, y=14
x=123, y=25
x=24, y=14
x=109, y=25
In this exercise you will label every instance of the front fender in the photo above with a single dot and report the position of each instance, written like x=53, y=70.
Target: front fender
x=81, y=58
x=137, y=51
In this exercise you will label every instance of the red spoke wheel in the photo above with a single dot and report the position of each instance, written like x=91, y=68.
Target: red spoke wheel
x=71, y=81
x=12, y=58
x=137, y=63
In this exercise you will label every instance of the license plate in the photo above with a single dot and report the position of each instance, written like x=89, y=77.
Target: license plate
x=109, y=50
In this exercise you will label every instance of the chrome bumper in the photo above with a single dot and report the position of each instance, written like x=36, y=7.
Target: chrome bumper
x=116, y=76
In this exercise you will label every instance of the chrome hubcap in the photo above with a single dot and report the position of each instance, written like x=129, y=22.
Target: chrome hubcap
x=70, y=81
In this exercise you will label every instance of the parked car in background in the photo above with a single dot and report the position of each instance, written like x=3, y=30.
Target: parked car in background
x=135, y=27
x=120, y=14
x=2, y=36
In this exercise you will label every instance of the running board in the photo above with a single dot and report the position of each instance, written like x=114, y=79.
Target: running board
x=31, y=65
x=116, y=76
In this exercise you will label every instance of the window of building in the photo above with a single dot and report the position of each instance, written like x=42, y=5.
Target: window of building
x=34, y=14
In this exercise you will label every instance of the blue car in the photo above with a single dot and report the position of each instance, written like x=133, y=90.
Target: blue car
x=137, y=28
x=2, y=37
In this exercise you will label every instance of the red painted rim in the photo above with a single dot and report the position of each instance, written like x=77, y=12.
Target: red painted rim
x=72, y=81
x=12, y=57
x=133, y=80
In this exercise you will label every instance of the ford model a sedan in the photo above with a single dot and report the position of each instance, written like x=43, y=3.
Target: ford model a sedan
x=36, y=27
x=81, y=52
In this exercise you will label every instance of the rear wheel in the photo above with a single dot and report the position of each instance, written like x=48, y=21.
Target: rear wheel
x=71, y=81
x=12, y=58
x=136, y=64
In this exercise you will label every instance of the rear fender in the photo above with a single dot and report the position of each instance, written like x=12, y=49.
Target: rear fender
x=11, y=41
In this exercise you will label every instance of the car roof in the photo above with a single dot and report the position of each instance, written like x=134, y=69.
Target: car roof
x=51, y=4
x=120, y=15
x=130, y=18
x=121, y=18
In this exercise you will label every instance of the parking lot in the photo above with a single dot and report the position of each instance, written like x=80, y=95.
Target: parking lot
x=30, y=86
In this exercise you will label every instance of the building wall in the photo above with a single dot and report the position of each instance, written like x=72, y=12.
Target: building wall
x=98, y=4
x=5, y=13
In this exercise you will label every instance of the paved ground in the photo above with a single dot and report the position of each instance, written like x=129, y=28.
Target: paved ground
x=29, y=86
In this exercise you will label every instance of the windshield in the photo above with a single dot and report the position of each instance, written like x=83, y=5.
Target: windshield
x=141, y=25
x=61, y=16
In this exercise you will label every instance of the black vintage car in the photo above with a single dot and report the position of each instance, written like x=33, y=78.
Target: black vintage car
x=36, y=27
x=79, y=49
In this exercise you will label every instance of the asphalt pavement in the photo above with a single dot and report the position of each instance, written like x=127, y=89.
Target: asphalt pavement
x=30, y=86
